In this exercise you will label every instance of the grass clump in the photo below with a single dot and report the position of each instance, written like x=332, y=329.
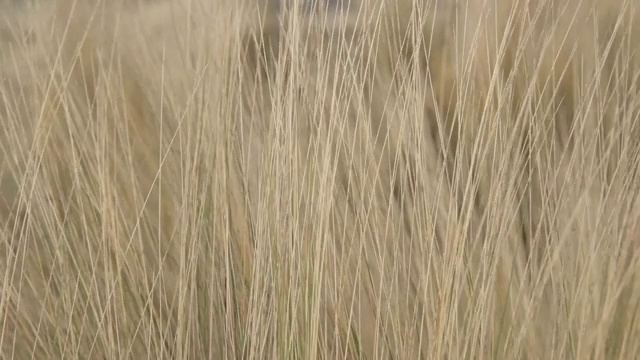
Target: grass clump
x=379, y=179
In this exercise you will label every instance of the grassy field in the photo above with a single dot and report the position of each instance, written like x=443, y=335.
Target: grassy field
x=401, y=179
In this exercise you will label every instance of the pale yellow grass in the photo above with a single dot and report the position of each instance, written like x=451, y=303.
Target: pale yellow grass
x=207, y=179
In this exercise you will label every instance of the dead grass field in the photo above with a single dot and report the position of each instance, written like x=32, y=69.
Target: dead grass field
x=401, y=179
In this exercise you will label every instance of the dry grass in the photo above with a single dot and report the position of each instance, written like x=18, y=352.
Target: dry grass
x=403, y=179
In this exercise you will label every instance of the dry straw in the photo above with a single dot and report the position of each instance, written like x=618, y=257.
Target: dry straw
x=250, y=180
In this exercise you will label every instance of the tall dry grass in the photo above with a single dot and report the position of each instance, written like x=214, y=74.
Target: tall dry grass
x=397, y=179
